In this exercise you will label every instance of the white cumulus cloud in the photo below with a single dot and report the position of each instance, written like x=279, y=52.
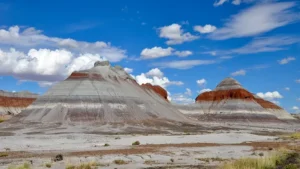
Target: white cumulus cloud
x=183, y=53
x=175, y=34
x=188, y=92
x=201, y=82
x=30, y=38
x=128, y=70
x=241, y=72
x=45, y=59
x=297, y=81
x=180, y=98
x=295, y=108
x=270, y=95
x=44, y=65
x=204, y=90
x=287, y=88
x=156, y=52
x=286, y=60
x=219, y=2
x=155, y=72
x=205, y=29
x=155, y=77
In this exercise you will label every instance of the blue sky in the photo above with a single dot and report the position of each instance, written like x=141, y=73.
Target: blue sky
x=185, y=46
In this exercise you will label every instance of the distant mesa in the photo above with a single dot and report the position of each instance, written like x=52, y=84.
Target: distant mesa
x=102, y=95
x=157, y=89
x=12, y=103
x=230, y=101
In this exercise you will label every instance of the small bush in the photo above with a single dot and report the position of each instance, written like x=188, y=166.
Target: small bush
x=291, y=166
x=23, y=166
x=106, y=145
x=118, y=138
x=172, y=160
x=149, y=162
x=136, y=143
x=1, y=120
x=295, y=136
x=253, y=154
x=81, y=166
x=94, y=163
x=204, y=159
x=3, y=154
x=48, y=165
x=261, y=154
x=84, y=166
x=120, y=162
x=70, y=167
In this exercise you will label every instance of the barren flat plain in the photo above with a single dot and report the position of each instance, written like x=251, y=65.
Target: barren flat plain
x=211, y=148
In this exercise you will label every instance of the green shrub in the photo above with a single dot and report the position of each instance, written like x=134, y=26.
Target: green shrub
x=120, y=162
x=48, y=165
x=3, y=154
x=136, y=143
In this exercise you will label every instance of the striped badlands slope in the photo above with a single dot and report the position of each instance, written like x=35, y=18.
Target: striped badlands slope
x=12, y=103
x=102, y=95
x=231, y=102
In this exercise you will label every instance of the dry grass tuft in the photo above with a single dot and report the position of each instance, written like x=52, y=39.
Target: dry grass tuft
x=207, y=160
x=23, y=166
x=295, y=136
x=120, y=162
x=149, y=162
x=3, y=154
x=266, y=162
x=89, y=165
x=1, y=120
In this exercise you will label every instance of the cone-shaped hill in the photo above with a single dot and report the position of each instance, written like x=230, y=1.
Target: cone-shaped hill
x=230, y=101
x=100, y=95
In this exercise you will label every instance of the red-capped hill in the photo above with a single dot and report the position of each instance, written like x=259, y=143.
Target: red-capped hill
x=219, y=95
x=157, y=89
x=229, y=88
x=14, y=102
x=229, y=97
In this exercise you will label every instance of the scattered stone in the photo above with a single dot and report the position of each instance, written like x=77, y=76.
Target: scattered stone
x=58, y=157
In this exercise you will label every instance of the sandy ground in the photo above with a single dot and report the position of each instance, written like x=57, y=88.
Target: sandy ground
x=82, y=142
x=155, y=150
x=206, y=147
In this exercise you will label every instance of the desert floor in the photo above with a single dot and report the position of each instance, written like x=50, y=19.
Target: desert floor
x=208, y=149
